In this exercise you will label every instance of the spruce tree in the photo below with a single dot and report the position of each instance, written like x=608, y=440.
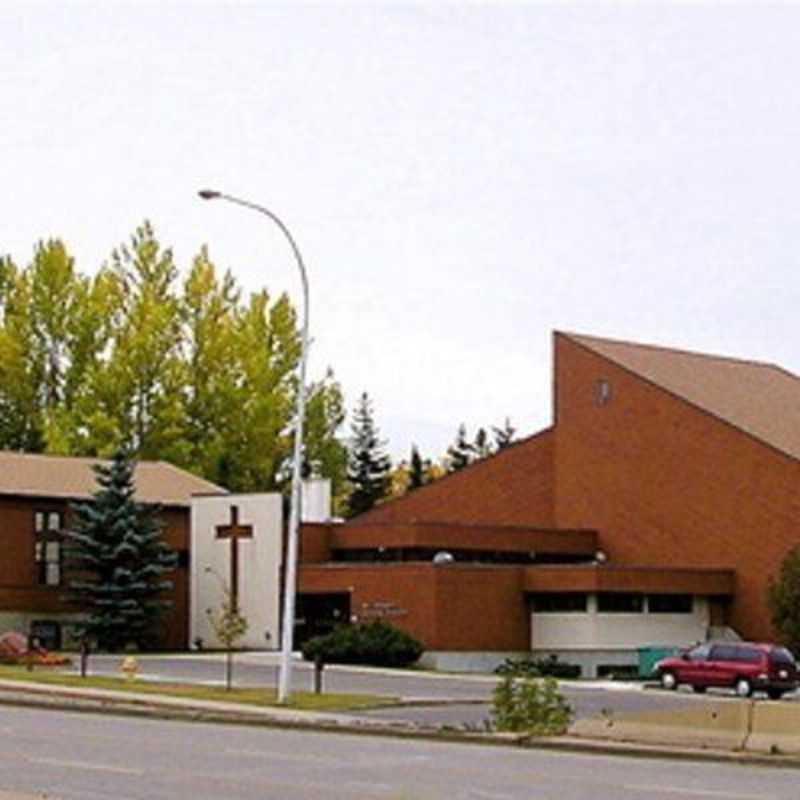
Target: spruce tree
x=368, y=465
x=416, y=470
x=504, y=436
x=460, y=453
x=117, y=557
x=482, y=446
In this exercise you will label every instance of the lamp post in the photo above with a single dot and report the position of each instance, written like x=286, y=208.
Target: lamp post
x=290, y=588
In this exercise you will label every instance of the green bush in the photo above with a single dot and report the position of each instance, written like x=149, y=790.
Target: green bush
x=522, y=704
x=376, y=643
x=542, y=667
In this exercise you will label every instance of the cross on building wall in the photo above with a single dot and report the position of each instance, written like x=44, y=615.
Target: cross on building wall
x=234, y=531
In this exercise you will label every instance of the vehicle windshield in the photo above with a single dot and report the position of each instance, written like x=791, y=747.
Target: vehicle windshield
x=780, y=655
x=699, y=653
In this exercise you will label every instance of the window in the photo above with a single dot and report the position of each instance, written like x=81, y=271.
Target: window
x=734, y=652
x=699, y=653
x=602, y=392
x=620, y=603
x=47, y=547
x=780, y=656
x=559, y=603
x=670, y=604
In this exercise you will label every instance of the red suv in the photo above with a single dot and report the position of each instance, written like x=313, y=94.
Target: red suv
x=742, y=666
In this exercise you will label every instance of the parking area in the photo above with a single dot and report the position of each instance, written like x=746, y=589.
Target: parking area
x=430, y=697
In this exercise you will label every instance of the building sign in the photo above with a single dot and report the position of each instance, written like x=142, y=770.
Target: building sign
x=382, y=610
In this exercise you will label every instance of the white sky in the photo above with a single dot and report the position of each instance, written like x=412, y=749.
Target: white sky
x=461, y=179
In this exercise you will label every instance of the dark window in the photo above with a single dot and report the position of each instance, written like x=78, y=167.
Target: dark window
x=734, y=652
x=620, y=603
x=559, y=602
x=780, y=656
x=47, y=547
x=670, y=603
x=749, y=654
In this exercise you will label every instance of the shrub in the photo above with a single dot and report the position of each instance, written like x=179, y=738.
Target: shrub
x=542, y=667
x=530, y=705
x=783, y=596
x=375, y=643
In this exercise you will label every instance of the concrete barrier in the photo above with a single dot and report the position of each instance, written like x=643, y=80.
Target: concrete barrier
x=713, y=725
x=775, y=728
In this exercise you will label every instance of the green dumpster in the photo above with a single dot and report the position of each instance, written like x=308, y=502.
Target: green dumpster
x=651, y=655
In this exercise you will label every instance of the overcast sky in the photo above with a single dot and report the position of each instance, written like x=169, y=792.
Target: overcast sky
x=462, y=179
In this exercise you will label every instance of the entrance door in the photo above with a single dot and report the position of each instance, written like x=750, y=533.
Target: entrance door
x=318, y=614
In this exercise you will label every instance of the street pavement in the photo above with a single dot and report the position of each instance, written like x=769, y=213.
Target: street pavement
x=459, y=701
x=68, y=756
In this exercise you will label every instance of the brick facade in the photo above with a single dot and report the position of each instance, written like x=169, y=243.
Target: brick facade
x=680, y=498
x=20, y=592
x=668, y=484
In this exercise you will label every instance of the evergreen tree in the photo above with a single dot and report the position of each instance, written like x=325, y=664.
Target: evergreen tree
x=481, y=447
x=368, y=467
x=118, y=558
x=416, y=474
x=504, y=436
x=460, y=453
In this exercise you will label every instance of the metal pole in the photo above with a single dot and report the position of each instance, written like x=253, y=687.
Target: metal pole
x=290, y=588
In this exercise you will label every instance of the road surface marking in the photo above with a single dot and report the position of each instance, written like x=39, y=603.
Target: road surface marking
x=57, y=762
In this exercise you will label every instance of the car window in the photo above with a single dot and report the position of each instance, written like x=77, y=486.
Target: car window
x=699, y=653
x=723, y=652
x=780, y=655
x=749, y=654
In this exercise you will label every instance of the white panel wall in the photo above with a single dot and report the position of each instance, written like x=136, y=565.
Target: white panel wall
x=604, y=631
x=316, y=500
x=259, y=566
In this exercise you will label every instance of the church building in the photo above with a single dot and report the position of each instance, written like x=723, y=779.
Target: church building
x=652, y=512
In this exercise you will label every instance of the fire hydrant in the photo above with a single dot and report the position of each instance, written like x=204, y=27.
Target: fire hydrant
x=129, y=668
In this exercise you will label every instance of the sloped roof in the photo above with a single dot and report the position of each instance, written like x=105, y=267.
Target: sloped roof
x=73, y=478
x=760, y=399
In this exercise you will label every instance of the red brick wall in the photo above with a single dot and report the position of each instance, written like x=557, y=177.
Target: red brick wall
x=668, y=484
x=456, y=607
x=514, y=487
x=481, y=608
x=410, y=587
x=18, y=588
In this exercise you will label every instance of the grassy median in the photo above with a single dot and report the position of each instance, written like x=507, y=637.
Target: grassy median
x=262, y=697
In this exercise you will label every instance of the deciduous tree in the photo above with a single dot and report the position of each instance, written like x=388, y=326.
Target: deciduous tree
x=783, y=595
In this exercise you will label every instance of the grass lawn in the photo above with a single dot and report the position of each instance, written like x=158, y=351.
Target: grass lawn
x=305, y=701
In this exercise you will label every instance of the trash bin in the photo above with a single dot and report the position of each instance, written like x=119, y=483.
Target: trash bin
x=651, y=655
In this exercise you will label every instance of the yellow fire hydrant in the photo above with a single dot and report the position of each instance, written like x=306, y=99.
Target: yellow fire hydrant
x=129, y=668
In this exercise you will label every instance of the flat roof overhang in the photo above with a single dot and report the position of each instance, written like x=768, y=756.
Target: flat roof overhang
x=445, y=536
x=605, y=578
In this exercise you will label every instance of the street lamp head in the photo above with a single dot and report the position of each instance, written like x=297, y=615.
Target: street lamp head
x=209, y=194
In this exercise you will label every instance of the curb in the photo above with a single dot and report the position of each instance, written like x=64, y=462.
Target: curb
x=313, y=721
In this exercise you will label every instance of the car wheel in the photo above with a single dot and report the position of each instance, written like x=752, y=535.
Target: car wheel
x=774, y=694
x=743, y=687
x=669, y=681
x=699, y=689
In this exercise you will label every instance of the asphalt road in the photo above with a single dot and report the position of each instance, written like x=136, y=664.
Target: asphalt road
x=260, y=669
x=103, y=757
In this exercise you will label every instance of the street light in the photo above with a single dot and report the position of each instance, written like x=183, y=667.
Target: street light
x=290, y=589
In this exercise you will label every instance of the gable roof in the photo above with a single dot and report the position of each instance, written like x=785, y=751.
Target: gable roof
x=67, y=477
x=760, y=399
